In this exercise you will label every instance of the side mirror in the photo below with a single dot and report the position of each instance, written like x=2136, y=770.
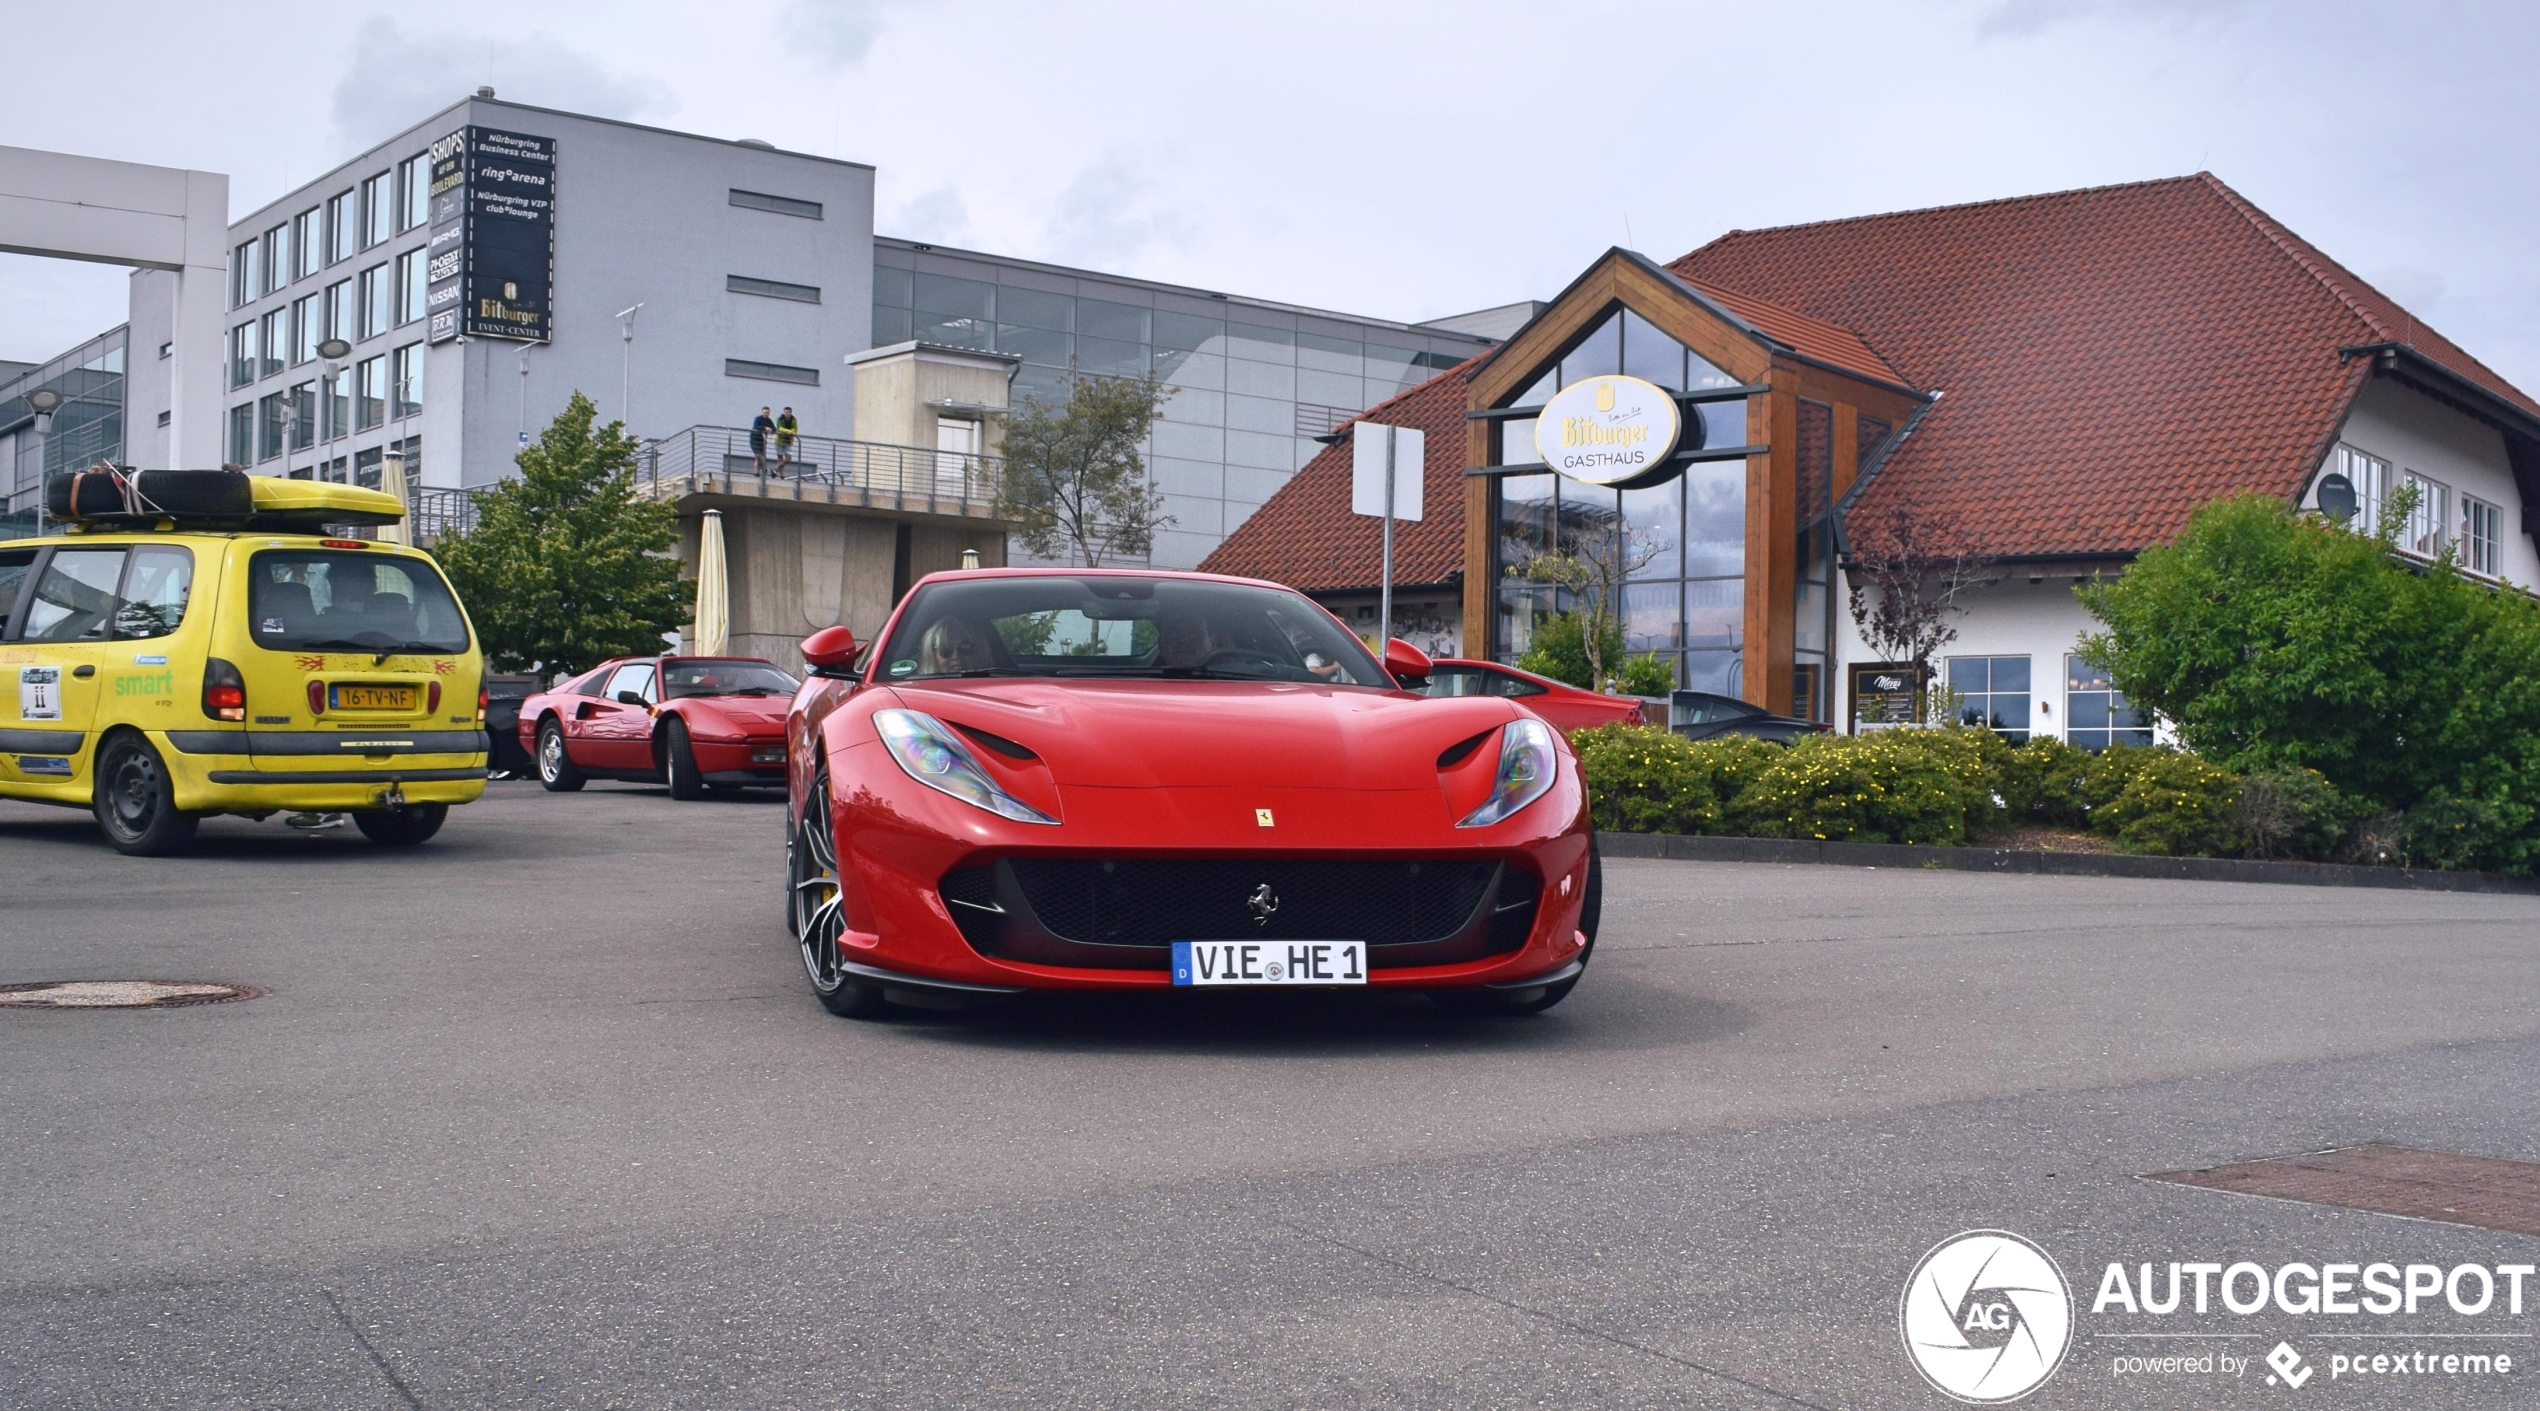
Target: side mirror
x=829, y=652
x=1407, y=662
x=630, y=698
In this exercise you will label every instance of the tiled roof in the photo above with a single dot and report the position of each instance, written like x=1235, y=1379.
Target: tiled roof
x=1306, y=537
x=2110, y=358
x=1812, y=338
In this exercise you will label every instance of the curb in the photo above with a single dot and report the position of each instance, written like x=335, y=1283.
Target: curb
x=1690, y=848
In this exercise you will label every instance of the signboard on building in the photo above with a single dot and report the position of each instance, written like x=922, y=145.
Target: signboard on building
x=1372, y=459
x=1604, y=430
x=490, y=259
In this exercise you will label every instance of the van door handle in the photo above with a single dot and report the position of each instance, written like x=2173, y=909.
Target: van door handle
x=84, y=670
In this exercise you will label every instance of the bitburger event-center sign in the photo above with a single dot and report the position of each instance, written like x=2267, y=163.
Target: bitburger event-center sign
x=491, y=257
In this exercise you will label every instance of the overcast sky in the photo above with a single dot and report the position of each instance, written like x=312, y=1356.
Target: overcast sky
x=1399, y=160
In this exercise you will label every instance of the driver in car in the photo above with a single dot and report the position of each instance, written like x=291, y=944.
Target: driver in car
x=1184, y=641
x=951, y=647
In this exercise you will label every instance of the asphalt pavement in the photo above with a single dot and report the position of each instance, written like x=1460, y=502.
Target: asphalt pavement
x=542, y=1114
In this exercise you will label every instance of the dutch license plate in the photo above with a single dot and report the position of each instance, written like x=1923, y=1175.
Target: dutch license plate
x=373, y=697
x=1269, y=962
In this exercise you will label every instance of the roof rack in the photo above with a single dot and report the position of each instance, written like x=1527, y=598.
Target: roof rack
x=121, y=495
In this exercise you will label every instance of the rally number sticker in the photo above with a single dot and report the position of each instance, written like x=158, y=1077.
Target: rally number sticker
x=39, y=693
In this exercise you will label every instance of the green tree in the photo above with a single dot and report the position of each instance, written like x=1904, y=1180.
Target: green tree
x=2273, y=640
x=1559, y=649
x=566, y=566
x=1072, y=481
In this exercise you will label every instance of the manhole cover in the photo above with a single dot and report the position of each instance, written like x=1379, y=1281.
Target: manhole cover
x=120, y=994
x=2484, y=1191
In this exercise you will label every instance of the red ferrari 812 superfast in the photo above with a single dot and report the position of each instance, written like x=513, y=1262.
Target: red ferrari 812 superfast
x=1107, y=780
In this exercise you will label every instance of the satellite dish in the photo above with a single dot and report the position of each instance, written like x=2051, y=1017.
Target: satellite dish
x=2337, y=497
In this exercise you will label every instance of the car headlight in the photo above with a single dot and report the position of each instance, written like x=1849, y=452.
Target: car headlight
x=1526, y=764
x=935, y=757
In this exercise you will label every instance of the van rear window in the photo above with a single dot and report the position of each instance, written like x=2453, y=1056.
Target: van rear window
x=347, y=601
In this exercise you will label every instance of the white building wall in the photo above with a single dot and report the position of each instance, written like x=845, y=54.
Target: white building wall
x=2414, y=432
x=2040, y=620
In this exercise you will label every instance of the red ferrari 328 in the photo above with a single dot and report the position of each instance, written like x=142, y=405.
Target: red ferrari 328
x=697, y=723
x=1054, y=779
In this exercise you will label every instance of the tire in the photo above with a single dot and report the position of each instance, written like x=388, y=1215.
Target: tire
x=135, y=801
x=679, y=763
x=815, y=910
x=556, y=773
x=208, y=493
x=1536, y=1000
x=402, y=827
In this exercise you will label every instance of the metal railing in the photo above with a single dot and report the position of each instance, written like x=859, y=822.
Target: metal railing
x=718, y=459
x=433, y=512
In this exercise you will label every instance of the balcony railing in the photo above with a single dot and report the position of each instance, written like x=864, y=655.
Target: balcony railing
x=718, y=460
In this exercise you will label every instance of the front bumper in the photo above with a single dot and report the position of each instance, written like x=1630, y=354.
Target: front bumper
x=898, y=841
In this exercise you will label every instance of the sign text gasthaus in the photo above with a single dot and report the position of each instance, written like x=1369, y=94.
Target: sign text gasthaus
x=490, y=259
x=2248, y=1289
x=1607, y=429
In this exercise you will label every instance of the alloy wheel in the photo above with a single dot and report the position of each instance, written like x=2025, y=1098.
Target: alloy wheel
x=815, y=894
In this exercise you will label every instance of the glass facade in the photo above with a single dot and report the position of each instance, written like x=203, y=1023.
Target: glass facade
x=87, y=427
x=1251, y=383
x=1679, y=548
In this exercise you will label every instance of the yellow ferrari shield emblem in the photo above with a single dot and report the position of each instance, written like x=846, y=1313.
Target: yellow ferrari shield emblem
x=1262, y=817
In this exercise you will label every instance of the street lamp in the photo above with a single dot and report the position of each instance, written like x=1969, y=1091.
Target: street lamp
x=626, y=366
x=43, y=401
x=334, y=351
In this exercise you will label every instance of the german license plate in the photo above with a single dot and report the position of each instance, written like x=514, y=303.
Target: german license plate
x=373, y=697
x=1269, y=962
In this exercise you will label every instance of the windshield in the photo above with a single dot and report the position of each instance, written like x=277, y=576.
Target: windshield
x=351, y=601
x=690, y=676
x=1125, y=626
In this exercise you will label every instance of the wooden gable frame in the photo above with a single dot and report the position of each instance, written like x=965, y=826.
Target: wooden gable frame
x=1624, y=279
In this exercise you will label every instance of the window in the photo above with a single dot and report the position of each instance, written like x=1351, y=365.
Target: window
x=307, y=242
x=374, y=301
x=155, y=590
x=781, y=205
x=410, y=286
x=164, y=417
x=334, y=471
x=75, y=599
x=276, y=259
x=414, y=199
x=2482, y=536
x=343, y=224
x=772, y=288
x=308, y=323
x=2096, y=714
x=301, y=410
x=378, y=210
x=15, y=565
x=370, y=393
x=269, y=416
x=298, y=598
x=335, y=405
x=771, y=372
x=1992, y=693
x=274, y=336
x=242, y=434
x=166, y=350
x=242, y=355
x=2370, y=476
x=339, y=310
x=1473, y=681
x=242, y=273
x=2430, y=519
x=366, y=468
x=633, y=679
x=405, y=381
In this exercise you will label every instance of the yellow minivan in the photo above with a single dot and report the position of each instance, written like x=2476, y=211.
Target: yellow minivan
x=200, y=642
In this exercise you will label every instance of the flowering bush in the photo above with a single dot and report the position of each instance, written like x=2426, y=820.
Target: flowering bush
x=1896, y=786
x=2180, y=805
x=1642, y=779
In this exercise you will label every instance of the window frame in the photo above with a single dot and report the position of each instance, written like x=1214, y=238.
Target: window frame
x=772, y=204
x=378, y=216
x=413, y=183
x=407, y=286
x=370, y=412
x=2019, y=733
x=343, y=225
x=2112, y=729
x=307, y=234
x=2482, y=544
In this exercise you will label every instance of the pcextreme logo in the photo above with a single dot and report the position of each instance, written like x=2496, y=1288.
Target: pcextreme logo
x=1986, y=1317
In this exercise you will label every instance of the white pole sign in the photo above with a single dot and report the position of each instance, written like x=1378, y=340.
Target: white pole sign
x=1386, y=465
x=1367, y=469
x=1605, y=429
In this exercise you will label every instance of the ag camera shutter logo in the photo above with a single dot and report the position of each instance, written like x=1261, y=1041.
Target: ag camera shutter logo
x=1986, y=1317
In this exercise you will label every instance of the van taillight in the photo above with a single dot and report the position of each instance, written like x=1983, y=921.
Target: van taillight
x=317, y=698
x=432, y=699
x=224, y=691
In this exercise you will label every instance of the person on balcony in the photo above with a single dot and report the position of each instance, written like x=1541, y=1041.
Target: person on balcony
x=760, y=425
x=786, y=427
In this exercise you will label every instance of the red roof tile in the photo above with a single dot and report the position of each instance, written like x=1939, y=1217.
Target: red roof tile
x=1306, y=537
x=2110, y=358
x=1811, y=338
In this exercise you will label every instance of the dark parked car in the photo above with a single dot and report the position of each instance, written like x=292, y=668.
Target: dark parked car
x=1700, y=715
x=503, y=695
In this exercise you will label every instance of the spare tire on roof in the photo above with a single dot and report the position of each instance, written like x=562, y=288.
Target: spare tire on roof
x=150, y=494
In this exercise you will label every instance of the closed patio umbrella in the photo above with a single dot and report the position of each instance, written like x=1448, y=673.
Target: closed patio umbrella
x=392, y=482
x=713, y=627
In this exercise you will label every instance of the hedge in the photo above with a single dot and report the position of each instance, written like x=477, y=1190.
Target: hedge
x=1952, y=786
